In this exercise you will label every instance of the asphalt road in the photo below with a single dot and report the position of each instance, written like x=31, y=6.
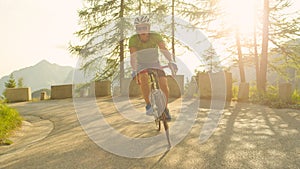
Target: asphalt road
x=246, y=136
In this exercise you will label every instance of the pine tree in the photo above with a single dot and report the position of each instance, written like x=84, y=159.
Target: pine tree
x=274, y=28
x=264, y=51
x=280, y=28
x=102, y=47
x=284, y=31
x=20, y=82
x=11, y=83
x=213, y=64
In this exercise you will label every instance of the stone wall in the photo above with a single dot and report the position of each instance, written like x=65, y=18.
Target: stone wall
x=101, y=88
x=18, y=94
x=285, y=92
x=61, y=91
x=215, y=85
x=243, y=94
x=176, y=87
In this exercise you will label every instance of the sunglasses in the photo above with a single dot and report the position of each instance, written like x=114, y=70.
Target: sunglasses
x=141, y=28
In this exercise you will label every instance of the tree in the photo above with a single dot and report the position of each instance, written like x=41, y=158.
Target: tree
x=264, y=52
x=11, y=83
x=102, y=47
x=240, y=56
x=279, y=27
x=285, y=60
x=20, y=82
x=284, y=36
x=255, y=50
x=212, y=58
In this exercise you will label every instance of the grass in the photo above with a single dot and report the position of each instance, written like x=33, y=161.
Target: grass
x=271, y=98
x=10, y=119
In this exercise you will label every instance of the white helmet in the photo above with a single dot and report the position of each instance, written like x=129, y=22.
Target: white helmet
x=142, y=20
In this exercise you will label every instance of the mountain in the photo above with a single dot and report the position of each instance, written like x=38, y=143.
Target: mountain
x=42, y=75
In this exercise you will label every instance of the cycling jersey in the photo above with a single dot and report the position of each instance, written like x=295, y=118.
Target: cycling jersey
x=147, y=52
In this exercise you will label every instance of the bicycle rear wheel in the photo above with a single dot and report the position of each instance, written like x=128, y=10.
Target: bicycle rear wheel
x=166, y=126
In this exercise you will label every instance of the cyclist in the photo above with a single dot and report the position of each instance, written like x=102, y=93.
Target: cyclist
x=144, y=53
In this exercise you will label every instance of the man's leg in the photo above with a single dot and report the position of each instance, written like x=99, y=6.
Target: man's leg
x=144, y=86
x=163, y=84
x=145, y=89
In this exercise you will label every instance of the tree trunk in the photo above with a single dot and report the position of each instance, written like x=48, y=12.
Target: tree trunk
x=140, y=7
x=149, y=7
x=240, y=56
x=264, y=52
x=255, y=48
x=173, y=30
x=121, y=43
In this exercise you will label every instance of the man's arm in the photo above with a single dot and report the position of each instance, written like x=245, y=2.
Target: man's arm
x=165, y=51
x=133, y=61
x=168, y=55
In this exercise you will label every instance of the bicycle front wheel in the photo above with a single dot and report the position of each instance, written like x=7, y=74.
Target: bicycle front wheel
x=158, y=101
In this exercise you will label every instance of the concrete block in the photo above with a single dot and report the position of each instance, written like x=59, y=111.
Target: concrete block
x=243, y=94
x=134, y=89
x=43, y=96
x=176, y=86
x=285, y=92
x=125, y=83
x=215, y=85
x=130, y=88
x=192, y=89
x=102, y=88
x=18, y=94
x=204, y=85
x=61, y=91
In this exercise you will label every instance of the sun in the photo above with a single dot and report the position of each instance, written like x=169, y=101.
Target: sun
x=240, y=14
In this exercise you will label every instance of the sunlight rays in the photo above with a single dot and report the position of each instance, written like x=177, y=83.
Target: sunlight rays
x=240, y=14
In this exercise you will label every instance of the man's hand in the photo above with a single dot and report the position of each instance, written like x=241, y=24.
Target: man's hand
x=173, y=67
x=133, y=74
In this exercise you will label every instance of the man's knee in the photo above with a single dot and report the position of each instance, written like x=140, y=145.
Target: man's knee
x=143, y=77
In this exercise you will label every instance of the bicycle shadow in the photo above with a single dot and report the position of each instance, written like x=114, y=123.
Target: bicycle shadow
x=160, y=159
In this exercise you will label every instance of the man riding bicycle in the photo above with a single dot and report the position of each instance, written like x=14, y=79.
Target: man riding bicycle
x=144, y=54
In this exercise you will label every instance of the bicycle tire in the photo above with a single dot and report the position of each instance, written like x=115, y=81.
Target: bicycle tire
x=158, y=101
x=166, y=126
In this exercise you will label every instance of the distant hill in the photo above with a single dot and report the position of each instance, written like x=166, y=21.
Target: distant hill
x=40, y=76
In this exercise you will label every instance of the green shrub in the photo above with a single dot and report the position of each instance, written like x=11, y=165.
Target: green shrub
x=235, y=91
x=296, y=96
x=10, y=119
x=296, y=99
x=271, y=98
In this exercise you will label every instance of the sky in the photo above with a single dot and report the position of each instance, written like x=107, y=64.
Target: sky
x=34, y=30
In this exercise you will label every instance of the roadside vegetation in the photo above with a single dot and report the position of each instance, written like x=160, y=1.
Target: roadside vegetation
x=270, y=98
x=10, y=120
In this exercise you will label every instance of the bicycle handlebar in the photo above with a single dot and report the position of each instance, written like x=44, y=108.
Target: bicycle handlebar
x=172, y=70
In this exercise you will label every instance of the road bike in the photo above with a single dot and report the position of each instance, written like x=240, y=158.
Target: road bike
x=158, y=101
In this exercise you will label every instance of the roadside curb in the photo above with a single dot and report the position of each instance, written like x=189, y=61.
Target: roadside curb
x=33, y=129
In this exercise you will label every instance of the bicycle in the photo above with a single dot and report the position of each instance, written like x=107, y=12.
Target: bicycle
x=158, y=101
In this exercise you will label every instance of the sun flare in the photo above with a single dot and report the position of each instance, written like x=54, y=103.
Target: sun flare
x=240, y=14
